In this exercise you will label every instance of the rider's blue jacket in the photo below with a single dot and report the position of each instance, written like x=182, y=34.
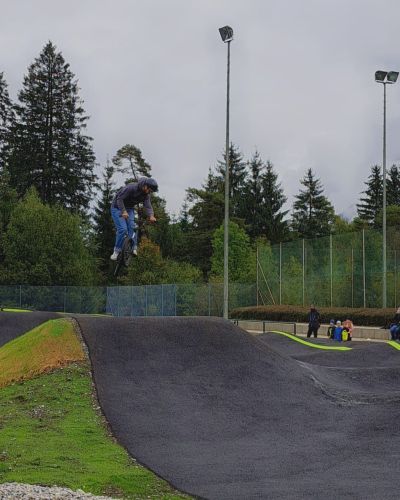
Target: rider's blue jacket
x=131, y=195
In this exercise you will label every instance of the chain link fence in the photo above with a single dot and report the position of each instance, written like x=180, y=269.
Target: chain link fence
x=343, y=270
x=150, y=300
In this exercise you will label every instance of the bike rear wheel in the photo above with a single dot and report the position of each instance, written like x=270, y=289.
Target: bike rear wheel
x=124, y=256
x=126, y=251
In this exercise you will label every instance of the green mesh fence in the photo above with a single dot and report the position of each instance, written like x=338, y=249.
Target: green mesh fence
x=150, y=300
x=344, y=270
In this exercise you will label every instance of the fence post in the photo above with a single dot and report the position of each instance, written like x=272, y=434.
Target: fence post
x=280, y=273
x=352, y=277
x=175, y=298
x=209, y=298
x=20, y=296
x=363, y=253
x=395, y=278
x=304, y=262
x=65, y=298
x=162, y=300
x=256, y=274
x=145, y=294
x=331, y=262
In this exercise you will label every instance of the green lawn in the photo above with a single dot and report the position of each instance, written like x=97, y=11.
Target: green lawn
x=51, y=433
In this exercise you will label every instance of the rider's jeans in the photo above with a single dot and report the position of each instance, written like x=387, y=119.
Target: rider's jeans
x=122, y=226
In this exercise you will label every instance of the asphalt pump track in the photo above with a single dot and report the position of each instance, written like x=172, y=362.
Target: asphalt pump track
x=224, y=415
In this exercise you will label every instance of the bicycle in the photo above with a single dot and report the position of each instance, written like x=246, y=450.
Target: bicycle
x=130, y=246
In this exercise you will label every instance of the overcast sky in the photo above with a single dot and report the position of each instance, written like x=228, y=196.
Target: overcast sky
x=153, y=73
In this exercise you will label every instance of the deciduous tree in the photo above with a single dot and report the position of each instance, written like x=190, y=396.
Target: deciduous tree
x=43, y=245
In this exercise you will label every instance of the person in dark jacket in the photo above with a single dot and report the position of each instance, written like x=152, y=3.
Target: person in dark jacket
x=395, y=326
x=123, y=209
x=314, y=321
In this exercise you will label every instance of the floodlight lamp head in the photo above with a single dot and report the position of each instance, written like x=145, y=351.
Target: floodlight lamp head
x=226, y=33
x=392, y=76
x=380, y=76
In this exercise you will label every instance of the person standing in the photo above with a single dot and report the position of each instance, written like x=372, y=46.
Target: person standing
x=314, y=321
x=395, y=326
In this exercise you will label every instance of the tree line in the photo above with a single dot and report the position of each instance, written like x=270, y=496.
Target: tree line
x=55, y=225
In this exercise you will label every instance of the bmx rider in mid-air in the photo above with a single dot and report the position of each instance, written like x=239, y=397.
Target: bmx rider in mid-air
x=123, y=209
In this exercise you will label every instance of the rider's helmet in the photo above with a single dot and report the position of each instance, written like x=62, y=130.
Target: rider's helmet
x=151, y=183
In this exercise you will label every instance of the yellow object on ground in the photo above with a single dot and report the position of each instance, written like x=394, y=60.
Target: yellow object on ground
x=17, y=310
x=310, y=344
x=394, y=344
x=52, y=345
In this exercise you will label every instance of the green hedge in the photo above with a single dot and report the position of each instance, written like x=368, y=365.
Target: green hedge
x=361, y=317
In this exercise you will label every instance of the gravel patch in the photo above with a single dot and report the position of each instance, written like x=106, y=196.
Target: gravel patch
x=18, y=491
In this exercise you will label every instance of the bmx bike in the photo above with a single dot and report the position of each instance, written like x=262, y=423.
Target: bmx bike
x=130, y=246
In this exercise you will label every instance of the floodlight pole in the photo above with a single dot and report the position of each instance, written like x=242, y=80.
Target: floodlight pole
x=226, y=218
x=384, y=264
x=384, y=77
x=227, y=36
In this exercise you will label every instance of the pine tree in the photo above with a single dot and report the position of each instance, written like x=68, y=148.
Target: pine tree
x=8, y=201
x=129, y=160
x=313, y=214
x=237, y=179
x=49, y=149
x=371, y=203
x=253, y=207
x=6, y=120
x=393, y=186
x=184, y=217
x=103, y=224
x=275, y=227
x=262, y=203
x=207, y=213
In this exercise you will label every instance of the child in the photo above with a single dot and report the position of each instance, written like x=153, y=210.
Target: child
x=345, y=334
x=348, y=326
x=337, y=334
x=331, y=328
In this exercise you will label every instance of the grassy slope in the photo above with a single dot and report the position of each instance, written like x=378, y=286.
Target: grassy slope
x=51, y=432
x=51, y=345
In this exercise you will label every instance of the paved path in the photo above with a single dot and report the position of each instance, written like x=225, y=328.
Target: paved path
x=14, y=324
x=223, y=415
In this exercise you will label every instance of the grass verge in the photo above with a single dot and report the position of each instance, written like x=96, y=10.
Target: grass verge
x=51, y=345
x=51, y=432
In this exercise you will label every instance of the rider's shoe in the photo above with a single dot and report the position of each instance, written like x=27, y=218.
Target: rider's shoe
x=114, y=256
x=134, y=252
